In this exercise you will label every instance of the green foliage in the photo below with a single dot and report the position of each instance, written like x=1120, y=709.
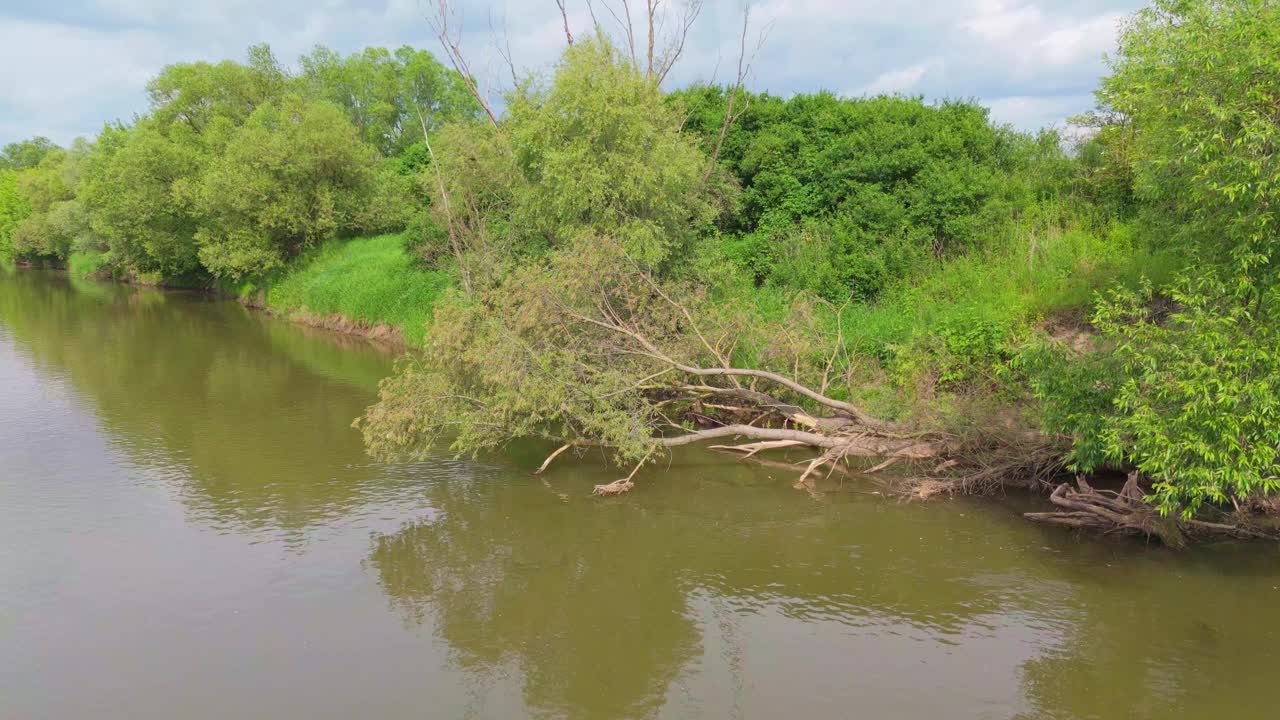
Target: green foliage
x=389, y=96
x=138, y=189
x=1200, y=82
x=1189, y=394
x=518, y=360
x=293, y=175
x=55, y=219
x=1185, y=386
x=586, y=186
x=239, y=166
x=476, y=166
x=867, y=187
x=368, y=280
x=13, y=209
x=26, y=153
x=200, y=96
x=600, y=152
x=88, y=264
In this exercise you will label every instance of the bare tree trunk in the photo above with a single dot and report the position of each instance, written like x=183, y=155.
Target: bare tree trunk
x=454, y=243
x=564, y=16
x=652, y=8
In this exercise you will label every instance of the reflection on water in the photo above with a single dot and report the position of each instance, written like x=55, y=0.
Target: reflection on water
x=189, y=528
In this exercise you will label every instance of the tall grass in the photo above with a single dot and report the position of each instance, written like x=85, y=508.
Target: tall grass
x=1023, y=282
x=370, y=280
x=84, y=264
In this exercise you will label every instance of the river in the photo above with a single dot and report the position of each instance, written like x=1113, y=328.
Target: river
x=189, y=528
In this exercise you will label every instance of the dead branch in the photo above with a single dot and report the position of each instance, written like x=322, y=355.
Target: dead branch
x=744, y=69
x=550, y=458
x=504, y=49
x=564, y=16
x=1126, y=513
x=669, y=57
x=628, y=28
x=615, y=324
x=652, y=8
x=618, y=487
x=451, y=42
x=750, y=449
x=859, y=445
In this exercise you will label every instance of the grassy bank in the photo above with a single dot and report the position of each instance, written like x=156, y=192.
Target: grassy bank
x=370, y=282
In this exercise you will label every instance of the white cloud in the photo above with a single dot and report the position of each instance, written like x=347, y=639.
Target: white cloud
x=1089, y=38
x=1029, y=111
x=1033, y=39
x=902, y=79
x=52, y=63
x=996, y=22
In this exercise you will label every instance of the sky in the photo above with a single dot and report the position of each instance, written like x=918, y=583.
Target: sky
x=72, y=65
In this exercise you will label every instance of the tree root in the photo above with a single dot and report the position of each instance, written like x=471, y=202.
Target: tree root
x=1126, y=513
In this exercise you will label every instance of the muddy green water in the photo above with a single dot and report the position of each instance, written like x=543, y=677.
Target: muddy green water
x=189, y=529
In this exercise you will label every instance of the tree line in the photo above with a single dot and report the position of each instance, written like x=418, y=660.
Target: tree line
x=236, y=168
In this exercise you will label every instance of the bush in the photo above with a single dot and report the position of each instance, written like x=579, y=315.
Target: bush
x=1189, y=393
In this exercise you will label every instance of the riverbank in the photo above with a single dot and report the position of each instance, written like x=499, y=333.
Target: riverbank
x=367, y=286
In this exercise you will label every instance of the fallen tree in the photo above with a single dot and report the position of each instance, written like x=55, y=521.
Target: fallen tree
x=591, y=349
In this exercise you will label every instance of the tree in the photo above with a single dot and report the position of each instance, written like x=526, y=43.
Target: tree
x=26, y=153
x=55, y=218
x=585, y=331
x=1199, y=81
x=296, y=173
x=841, y=196
x=13, y=209
x=602, y=153
x=139, y=189
x=384, y=93
x=200, y=94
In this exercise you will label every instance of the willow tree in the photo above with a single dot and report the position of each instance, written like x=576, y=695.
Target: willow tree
x=295, y=174
x=590, y=330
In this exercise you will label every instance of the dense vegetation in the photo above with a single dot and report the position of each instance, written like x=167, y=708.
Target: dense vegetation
x=236, y=169
x=607, y=264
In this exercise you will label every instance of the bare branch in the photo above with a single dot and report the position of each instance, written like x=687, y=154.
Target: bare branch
x=692, y=9
x=564, y=16
x=744, y=69
x=618, y=487
x=504, y=52
x=631, y=34
x=854, y=445
x=452, y=48
x=547, y=463
x=750, y=449
x=650, y=350
x=652, y=7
